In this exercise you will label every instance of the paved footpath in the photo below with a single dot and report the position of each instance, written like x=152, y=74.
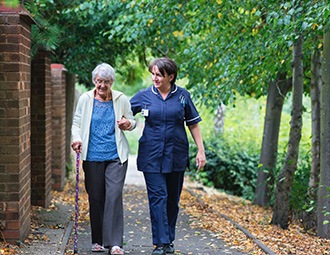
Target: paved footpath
x=56, y=235
x=137, y=234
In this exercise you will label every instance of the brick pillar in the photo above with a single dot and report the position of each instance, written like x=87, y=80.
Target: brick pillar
x=15, y=167
x=41, y=129
x=58, y=125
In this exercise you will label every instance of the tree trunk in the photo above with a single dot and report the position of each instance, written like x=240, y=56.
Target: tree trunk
x=309, y=218
x=277, y=91
x=285, y=180
x=219, y=118
x=323, y=216
x=70, y=95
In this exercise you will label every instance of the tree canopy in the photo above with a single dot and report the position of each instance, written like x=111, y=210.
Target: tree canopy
x=222, y=47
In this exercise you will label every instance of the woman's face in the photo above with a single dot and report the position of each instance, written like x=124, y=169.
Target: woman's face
x=102, y=87
x=159, y=80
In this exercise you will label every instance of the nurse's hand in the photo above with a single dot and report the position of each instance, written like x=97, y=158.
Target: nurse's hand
x=124, y=124
x=76, y=146
x=200, y=160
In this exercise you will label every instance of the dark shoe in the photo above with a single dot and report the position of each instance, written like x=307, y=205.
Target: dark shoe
x=159, y=250
x=169, y=248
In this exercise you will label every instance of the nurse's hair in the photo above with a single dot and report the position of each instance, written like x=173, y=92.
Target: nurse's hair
x=165, y=65
x=105, y=71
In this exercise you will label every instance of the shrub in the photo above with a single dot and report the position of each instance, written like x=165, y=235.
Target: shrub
x=299, y=189
x=228, y=168
x=233, y=157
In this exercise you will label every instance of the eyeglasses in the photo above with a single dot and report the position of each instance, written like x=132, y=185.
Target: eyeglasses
x=105, y=82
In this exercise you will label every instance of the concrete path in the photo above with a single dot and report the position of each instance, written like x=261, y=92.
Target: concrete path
x=137, y=235
x=48, y=238
x=56, y=233
x=133, y=176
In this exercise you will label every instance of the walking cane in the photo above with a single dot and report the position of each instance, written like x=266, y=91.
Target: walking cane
x=76, y=218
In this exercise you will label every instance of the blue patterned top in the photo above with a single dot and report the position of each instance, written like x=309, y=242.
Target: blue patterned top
x=102, y=141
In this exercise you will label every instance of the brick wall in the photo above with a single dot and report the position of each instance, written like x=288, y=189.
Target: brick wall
x=41, y=133
x=58, y=85
x=15, y=33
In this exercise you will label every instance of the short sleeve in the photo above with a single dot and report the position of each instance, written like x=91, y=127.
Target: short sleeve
x=136, y=103
x=191, y=114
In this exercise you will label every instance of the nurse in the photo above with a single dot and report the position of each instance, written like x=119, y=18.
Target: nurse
x=163, y=154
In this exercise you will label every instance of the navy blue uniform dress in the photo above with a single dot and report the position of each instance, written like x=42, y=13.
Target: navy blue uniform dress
x=163, y=153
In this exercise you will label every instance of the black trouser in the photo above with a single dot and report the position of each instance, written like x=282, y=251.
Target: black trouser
x=104, y=183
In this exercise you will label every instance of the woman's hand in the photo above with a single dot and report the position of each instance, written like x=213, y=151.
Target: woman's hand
x=124, y=124
x=76, y=146
x=200, y=160
x=196, y=134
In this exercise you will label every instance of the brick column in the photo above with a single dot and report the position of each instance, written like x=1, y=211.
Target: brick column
x=58, y=125
x=41, y=129
x=15, y=167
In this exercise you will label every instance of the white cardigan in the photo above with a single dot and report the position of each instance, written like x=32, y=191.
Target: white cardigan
x=82, y=121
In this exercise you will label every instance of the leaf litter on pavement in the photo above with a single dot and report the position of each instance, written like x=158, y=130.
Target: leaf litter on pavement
x=255, y=219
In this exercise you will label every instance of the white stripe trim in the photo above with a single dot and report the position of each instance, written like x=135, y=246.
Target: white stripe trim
x=193, y=119
x=152, y=89
x=176, y=88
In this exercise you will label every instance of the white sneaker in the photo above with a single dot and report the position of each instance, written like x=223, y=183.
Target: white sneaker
x=116, y=250
x=96, y=247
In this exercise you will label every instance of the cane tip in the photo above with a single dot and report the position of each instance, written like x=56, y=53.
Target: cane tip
x=75, y=252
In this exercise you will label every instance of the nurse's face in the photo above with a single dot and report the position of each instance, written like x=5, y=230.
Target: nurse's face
x=160, y=81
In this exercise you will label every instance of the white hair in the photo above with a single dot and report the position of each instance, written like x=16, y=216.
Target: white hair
x=105, y=71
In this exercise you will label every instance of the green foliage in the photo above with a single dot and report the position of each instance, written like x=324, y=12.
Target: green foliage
x=11, y=3
x=81, y=88
x=45, y=35
x=222, y=47
x=73, y=31
x=228, y=168
x=299, y=198
x=83, y=46
x=249, y=111
x=131, y=76
x=232, y=158
x=299, y=193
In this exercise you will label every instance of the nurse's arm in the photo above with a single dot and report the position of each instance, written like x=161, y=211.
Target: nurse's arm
x=196, y=134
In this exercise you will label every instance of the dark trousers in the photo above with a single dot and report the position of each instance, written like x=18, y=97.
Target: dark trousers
x=104, y=183
x=164, y=194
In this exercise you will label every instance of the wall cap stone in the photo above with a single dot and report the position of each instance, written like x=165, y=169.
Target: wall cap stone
x=58, y=66
x=20, y=9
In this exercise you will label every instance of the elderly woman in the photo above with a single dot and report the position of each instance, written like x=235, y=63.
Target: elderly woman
x=163, y=154
x=97, y=132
